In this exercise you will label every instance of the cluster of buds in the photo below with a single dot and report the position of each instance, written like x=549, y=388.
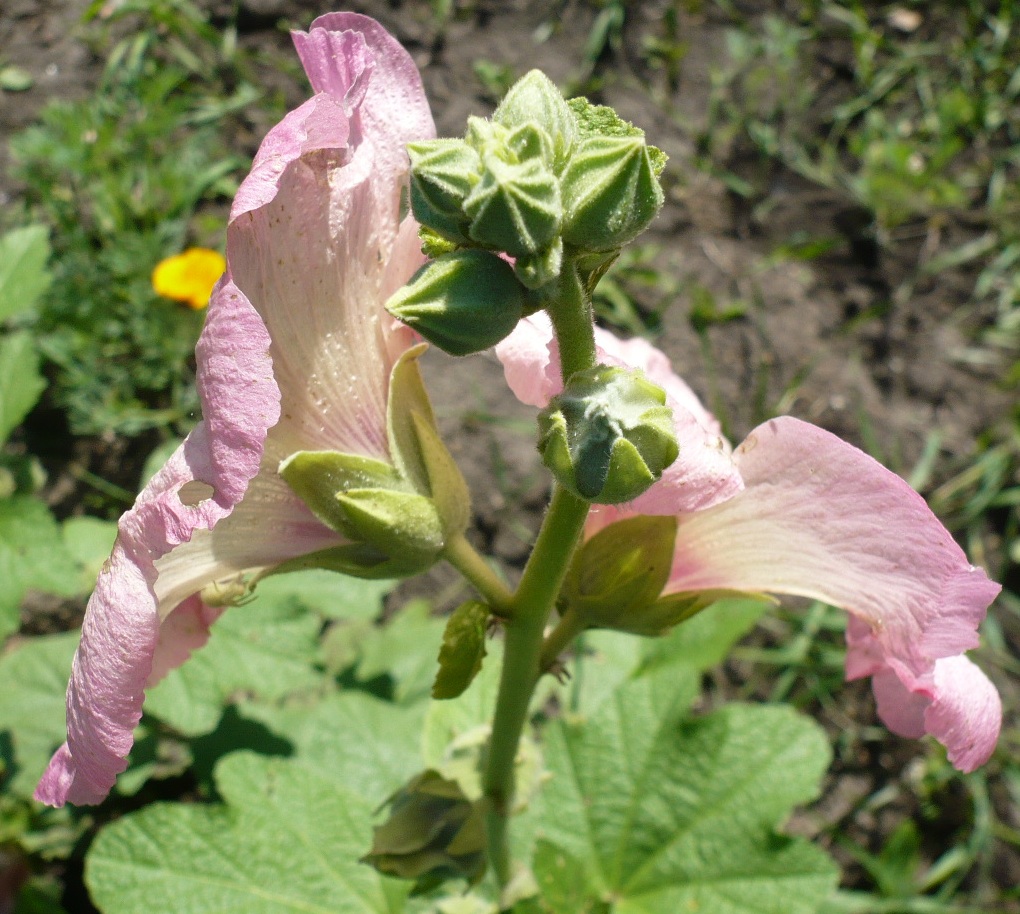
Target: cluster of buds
x=546, y=183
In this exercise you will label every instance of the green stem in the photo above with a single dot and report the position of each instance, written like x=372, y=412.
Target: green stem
x=557, y=641
x=532, y=604
x=574, y=322
x=466, y=559
x=572, y=319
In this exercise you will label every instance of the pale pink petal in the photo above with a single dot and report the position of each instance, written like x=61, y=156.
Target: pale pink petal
x=532, y=371
x=394, y=103
x=965, y=713
x=901, y=709
x=955, y=701
x=314, y=235
x=821, y=519
x=182, y=633
x=701, y=476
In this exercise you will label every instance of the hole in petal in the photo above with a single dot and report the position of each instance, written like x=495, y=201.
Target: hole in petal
x=194, y=492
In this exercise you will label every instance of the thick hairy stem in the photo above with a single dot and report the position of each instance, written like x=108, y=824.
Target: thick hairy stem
x=522, y=657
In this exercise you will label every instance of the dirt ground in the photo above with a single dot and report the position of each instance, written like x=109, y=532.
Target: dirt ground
x=849, y=340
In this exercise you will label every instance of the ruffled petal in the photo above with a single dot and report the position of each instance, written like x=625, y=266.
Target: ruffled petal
x=393, y=104
x=954, y=701
x=965, y=714
x=314, y=235
x=821, y=519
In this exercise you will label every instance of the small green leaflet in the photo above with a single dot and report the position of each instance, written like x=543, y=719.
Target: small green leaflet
x=32, y=555
x=463, y=649
x=666, y=813
x=21, y=382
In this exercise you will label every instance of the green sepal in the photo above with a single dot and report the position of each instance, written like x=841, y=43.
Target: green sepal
x=534, y=98
x=433, y=833
x=610, y=192
x=669, y=611
x=620, y=572
x=407, y=397
x=608, y=435
x=359, y=560
x=515, y=207
x=448, y=489
x=317, y=477
x=396, y=523
x=417, y=448
x=464, y=301
x=462, y=650
x=443, y=172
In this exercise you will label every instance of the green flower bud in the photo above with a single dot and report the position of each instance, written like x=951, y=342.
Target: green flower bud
x=433, y=833
x=515, y=207
x=537, y=270
x=369, y=503
x=609, y=435
x=616, y=577
x=463, y=302
x=535, y=99
x=610, y=192
x=442, y=175
x=488, y=138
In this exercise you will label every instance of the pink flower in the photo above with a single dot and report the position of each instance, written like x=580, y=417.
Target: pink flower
x=795, y=510
x=295, y=355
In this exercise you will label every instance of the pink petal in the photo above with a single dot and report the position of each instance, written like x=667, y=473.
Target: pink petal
x=314, y=238
x=701, y=476
x=394, y=103
x=821, y=519
x=966, y=713
x=955, y=702
x=181, y=633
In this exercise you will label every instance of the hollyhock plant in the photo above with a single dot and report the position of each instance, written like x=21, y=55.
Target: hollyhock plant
x=795, y=510
x=296, y=356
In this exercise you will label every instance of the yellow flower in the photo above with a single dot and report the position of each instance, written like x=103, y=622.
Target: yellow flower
x=189, y=277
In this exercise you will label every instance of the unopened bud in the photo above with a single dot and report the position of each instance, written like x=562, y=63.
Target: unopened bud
x=610, y=192
x=442, y=175
x=515, y=207
x=616, y=577
x=609, y=435
x=535, y=99
x=464, y=302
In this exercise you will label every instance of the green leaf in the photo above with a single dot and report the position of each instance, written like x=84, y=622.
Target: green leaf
x=331, y=595
x=287, y=840
x=698, y=644
x=405, y=649
x=667, y=814
x=33, y=680
x=463, y=649
x=23, y=276
x=21, y=382
x=359, y=739
x=705, y=640
x=266, y=649
x=89, y=541
x=32, y=552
